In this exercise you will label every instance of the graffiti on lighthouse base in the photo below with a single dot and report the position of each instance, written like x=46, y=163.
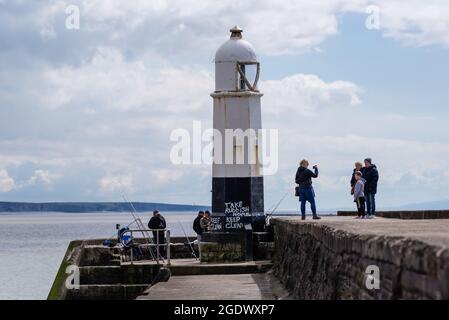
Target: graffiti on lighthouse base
x=234, y=223
x=235, y=212
x=236, y=209
x=216, y=223
x=234, y=218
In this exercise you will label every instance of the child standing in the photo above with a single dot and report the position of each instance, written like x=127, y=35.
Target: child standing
x=359, y=195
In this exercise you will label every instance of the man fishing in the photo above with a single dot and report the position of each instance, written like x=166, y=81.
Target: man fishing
x=197, y=225
x=205, y=222
x=157, y=222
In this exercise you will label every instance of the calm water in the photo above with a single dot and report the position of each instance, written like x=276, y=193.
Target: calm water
x=32, y=245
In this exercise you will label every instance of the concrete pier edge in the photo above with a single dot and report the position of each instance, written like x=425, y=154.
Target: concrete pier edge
x=58, y=289
x=404, y=214
x=328, y=259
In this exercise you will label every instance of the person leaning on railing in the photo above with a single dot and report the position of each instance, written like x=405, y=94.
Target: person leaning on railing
x=157, y=222
x=197, y=225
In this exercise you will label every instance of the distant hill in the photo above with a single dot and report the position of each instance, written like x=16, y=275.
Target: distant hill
x=94, y=207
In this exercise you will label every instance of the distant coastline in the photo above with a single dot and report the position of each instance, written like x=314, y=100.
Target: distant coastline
x=83, y=207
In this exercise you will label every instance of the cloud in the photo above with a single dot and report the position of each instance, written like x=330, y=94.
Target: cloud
x=109, y=118
x=167, y=30
x=306, y=94
x=419, y=23
x=6, y=182
x=192, y=23
x=40, y=177
x=166, y=176
x=292, y=26
x=90, y=110
x=406, y=166
x=108, y=80
x=123, y=139
x=115, y=183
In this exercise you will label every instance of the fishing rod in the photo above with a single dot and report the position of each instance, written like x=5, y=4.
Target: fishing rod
x=278, y=204
x=188, y=241
x=268, y=215
x=141, y=226
x=271, y=207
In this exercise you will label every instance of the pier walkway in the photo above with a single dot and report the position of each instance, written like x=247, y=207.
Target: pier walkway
x=260, y=286
x=433, y=232
x=326, y=259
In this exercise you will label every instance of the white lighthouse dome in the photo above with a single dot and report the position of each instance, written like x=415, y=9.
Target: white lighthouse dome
x=233, y=59
x=236, y=49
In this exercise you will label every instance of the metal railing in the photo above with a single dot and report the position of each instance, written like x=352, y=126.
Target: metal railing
x=151, y=244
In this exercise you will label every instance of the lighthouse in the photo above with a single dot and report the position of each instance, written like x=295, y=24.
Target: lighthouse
x=237, y=181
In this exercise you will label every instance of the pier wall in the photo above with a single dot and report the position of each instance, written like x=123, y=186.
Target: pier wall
x=318, y=261
x=405, y=214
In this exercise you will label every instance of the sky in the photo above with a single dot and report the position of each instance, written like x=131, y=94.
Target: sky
x=86, y=111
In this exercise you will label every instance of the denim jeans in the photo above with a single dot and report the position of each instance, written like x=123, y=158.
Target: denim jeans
x=307, y=194
x=370, y=203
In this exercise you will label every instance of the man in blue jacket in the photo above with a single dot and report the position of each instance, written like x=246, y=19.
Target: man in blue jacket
x=371, y=175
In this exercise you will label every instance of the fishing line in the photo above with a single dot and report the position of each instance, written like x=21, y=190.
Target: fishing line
x=188, y=240
x=280, y=201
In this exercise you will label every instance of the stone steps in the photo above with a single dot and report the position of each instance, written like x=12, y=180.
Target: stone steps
x=263, y=237
x=217, y=269
x=129, y=281
x=263, y=250
x=117, y=275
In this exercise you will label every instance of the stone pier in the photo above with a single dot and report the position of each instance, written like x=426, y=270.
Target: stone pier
x=328, y=259
x=332, y=258
x=106, y=273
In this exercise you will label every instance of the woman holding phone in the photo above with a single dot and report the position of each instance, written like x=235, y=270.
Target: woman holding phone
x=306, y=193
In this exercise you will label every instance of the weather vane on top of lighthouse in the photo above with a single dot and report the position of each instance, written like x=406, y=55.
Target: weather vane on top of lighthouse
x=236, y=32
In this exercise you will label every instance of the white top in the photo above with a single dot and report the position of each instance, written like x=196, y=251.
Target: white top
x=236, y=49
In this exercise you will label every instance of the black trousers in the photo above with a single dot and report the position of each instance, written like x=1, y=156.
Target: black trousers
x=360, y=206
x=161, y=241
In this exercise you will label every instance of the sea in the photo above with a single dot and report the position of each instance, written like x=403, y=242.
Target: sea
x=32, y=245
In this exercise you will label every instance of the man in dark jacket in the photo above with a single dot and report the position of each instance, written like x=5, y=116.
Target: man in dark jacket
x=197, y=225
x=303, y=178
x=371, y=175
x=157, y=222
x=205, y=222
